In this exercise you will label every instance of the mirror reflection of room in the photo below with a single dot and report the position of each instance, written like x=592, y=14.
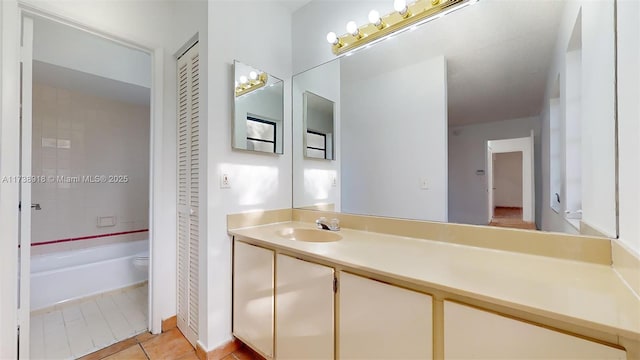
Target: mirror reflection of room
x=419, y=112
x=259, y=110
x=318, y=117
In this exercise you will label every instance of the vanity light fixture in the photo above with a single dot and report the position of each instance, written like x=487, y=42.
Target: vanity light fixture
x=375, y=19
x=404, y=17
x=255, y=81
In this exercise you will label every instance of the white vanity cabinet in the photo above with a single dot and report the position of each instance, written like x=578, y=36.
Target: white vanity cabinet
x=382, y=321
x=253, y=295
x=304, y=309
x=470, y=333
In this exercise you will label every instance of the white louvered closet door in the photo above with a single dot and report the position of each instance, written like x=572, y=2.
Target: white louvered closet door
x=188, y=192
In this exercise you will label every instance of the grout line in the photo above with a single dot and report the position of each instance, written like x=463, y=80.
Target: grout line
x=143, y=350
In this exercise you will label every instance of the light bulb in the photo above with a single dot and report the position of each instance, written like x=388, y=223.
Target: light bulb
x=253, y=75
x=352, y=28
x=243, y=79
x=374, y=17
x=400, y=6
x=332, y=38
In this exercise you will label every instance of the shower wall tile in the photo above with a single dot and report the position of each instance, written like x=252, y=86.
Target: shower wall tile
x=76, y=135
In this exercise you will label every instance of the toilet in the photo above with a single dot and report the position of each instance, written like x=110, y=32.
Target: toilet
x=141, y=261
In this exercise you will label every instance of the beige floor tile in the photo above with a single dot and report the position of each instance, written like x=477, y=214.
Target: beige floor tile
x=145, y=336
x=190, y=356
x=169, y=345
x=132, y=353
x=110, y=350
x=245, y=353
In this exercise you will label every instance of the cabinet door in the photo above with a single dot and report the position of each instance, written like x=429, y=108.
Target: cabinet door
x=470, y=333
x=253, y=296
x=381, y=321
x=304, y=309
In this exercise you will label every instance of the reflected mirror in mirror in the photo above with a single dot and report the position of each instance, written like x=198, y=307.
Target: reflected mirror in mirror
x=258, y=110
x=484, y=116
x=318, y=125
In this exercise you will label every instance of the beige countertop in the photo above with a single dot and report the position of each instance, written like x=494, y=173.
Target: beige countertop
x=579, y=293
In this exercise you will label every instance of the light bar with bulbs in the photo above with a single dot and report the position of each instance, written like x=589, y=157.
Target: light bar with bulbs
x=404, y=16
x=255, y=81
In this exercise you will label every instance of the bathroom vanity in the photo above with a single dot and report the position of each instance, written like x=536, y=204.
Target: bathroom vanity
x=376, y=294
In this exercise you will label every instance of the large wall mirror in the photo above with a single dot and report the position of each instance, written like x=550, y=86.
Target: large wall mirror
x=501, y=113
x=258, y=110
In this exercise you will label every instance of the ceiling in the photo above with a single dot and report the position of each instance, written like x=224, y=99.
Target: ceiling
x=498, y=56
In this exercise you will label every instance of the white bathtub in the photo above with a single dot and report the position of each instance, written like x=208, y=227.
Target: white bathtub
x=69, y=275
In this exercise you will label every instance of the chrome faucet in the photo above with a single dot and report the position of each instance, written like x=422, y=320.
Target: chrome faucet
x=323, y=224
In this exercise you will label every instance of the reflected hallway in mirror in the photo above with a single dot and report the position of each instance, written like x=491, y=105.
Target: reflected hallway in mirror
x=415, y=114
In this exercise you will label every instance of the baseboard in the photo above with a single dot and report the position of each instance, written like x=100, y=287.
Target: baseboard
x=218, y=353
x=169, y=323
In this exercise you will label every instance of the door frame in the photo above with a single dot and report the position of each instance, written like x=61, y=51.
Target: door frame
x=12, y=13
x=526, y=146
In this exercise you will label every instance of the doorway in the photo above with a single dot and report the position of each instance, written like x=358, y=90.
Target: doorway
x=86, y=128
x=510, y=183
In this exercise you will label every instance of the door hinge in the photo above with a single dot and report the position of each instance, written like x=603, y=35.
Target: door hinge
x=335, y=284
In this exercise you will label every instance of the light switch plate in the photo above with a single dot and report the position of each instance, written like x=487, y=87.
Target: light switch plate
x=334, y=182
x=424, y=184
x=225, y=181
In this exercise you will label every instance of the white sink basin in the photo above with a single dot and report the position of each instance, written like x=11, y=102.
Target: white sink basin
x=309, y=235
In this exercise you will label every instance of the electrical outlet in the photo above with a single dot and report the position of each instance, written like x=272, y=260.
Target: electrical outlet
x=225, y=181
x=334, y=182
x=424, y=184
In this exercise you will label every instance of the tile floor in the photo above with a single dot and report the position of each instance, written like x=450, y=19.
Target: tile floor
x=170, y=345
x=82, y=327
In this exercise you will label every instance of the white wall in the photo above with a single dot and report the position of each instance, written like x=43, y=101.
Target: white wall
x=163, y=27
x=76, y=134
x=74, y=49
x=260, y=37
x=313, y=178
x=598, y=116
x=376, y=140
x=629, y=123
x=507, y=179
x=598, y=110
x=468, y=153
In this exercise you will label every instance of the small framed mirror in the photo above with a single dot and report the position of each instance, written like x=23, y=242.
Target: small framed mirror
x=319, y=127
x=258, y=121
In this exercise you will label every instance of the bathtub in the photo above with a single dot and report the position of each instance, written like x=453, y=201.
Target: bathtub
x=70, y=275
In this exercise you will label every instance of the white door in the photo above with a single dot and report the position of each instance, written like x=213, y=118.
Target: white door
x=253, y=296
x=382, y=321
x=188, y=192
x=490, y=182
x=471, y=333
x=532, y=177
x=304, y=309
x=25, y=187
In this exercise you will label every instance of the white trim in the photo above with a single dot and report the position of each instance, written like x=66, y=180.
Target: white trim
x=155, y=174
x=9, y=166
x=26, y=60
x=526, y=146
x=9, y=141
